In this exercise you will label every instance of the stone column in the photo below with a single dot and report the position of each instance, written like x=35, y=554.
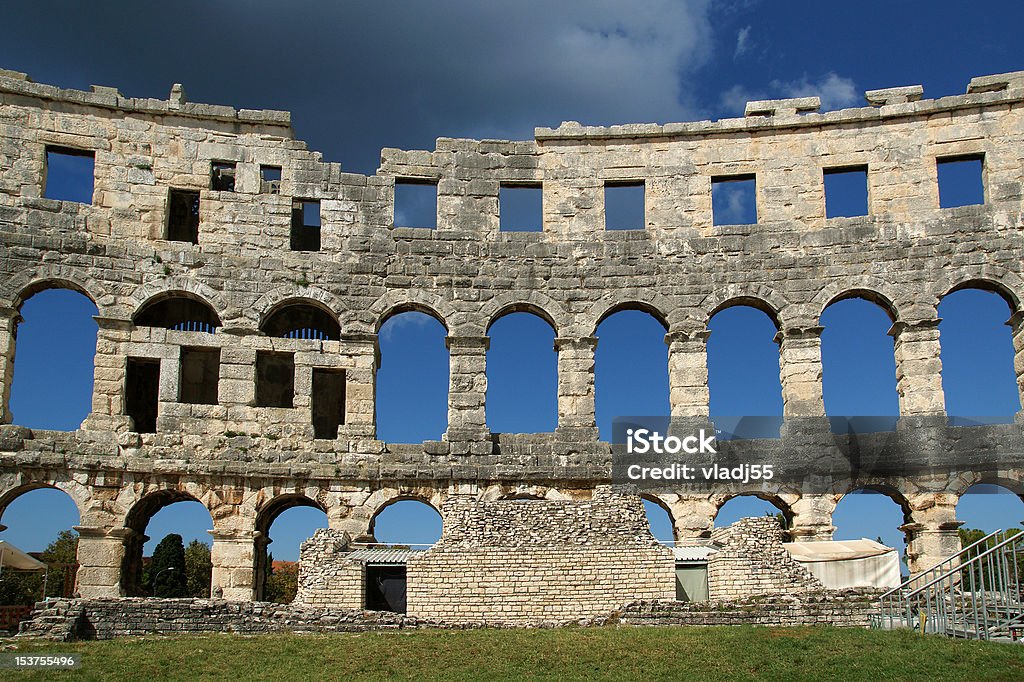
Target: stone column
x=9, y=319
x=234, y=561
x=688, y=373
x=467, y=388
x=800, y=372
x=361, y=385
x=812, y=518
x=1016, y=324
x=576, y=383
x=100, y=554
x=931, y=533
x=918, y=368
x=693, y=520
x=108, y=390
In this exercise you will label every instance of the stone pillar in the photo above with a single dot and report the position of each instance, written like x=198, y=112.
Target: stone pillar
x=918, y=368
x=576, y=382
x=467, y=388
x=100, y=555
x=234, y=561
x=361, y=385
x=1016, y=324
x=931, y=533
x=9, y=319
x=812, y=518
x=688, y=373
x=693, y=520
x=108, y=389
x=800, y=372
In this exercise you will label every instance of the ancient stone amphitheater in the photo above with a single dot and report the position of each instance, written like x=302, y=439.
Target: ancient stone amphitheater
x=237, y=349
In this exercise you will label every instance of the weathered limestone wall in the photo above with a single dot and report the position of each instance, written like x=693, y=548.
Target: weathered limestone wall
x=752, y=562
x=244, y=461
x=326, y=576
x=525, y=561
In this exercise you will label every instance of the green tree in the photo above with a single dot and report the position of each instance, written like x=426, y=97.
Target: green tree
x=198, y=569
x=168, y=568
x=281, y=584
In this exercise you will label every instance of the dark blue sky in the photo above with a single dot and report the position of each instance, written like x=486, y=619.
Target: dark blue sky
x=361, y=76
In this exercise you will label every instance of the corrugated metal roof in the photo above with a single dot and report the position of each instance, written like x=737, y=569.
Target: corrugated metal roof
x=383, y=555
x=696, y=553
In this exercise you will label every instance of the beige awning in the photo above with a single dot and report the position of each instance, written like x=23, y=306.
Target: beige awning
x=835, y=550
x=13, y=558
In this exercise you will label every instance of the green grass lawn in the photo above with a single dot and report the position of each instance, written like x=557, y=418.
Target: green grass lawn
x=568, y=653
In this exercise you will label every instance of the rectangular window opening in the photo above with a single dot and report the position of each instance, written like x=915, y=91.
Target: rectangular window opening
x=275, y=379
x=961, y=180
x=521, y=208
x=385, y=587
x=270, y=179
x=328, y=402
x=183, y=216
x=222, y=176
x=70, y=174
x=624, y=205
x=305, y=225
x=142, y=393
x=200, y=375
x=734, y=200
x=846, y=191
x=416, y=203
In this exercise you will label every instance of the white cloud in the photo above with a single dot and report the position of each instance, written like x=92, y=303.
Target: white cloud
x=743, y=43
x=835, y=91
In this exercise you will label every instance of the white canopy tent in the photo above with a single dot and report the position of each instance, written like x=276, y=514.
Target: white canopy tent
x=839, y=564
x=13, y=558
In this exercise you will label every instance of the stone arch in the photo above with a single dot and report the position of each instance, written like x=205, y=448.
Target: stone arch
x=522, y=492
x=270, y=302
x=665, y=506
x=652, y=303
x=178, y=286
x=534, y=303
x=411, y=300
x=266, y=514
x=308, y=312
x=1003, y=479
x=380, y=500
x=759, y=296
x=18, y=485
x=1008, y=285
x=885, y=489
x=781, y=501
x=19, y=288
x=206, y=316
x=144, y=505
x=872, y=289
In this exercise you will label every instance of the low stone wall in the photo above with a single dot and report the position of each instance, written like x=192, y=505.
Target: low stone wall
x=846, y=608
x=327, y=578
x=67, y=619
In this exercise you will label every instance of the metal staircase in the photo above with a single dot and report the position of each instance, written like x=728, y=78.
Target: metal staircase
x=974, y=594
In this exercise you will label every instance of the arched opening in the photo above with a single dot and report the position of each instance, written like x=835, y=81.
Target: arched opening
x=53, y=362
x=978, y=377
x=407, y=522
x=412, y=379
x=631, y=367
x=301, y=321
x=167, y=551
x=875, y=514
x=40, y=521
x=180, y=313
x=660, y=520
x=749, y=505
x=743, y=372
x=987, y=507
x=287, y=522
x=522, y=375
x=859, y=364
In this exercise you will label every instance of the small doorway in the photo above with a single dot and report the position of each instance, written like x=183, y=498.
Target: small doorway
x=385, y=587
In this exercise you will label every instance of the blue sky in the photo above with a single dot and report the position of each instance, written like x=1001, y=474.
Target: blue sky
x=359, y=77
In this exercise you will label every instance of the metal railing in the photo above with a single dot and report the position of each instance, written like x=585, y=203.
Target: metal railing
x=974, y=594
